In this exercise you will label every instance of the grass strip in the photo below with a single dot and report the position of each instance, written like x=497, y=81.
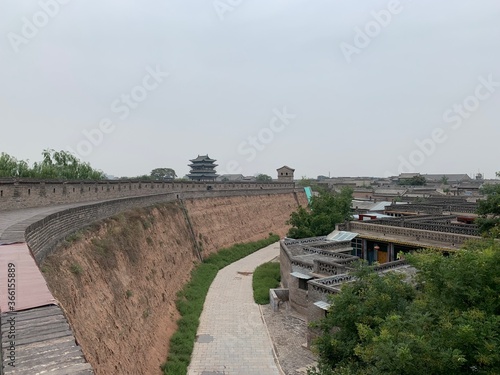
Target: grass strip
x=191, y=298
x=265, y=277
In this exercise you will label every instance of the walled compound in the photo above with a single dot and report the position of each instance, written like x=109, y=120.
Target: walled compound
x=312, y=269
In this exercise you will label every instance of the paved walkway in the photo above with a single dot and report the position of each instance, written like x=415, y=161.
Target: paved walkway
x=14, y=223
x=232, y=337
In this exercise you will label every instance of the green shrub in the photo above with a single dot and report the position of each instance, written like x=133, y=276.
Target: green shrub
x=76, y=269
x=265, y=277
x=75, y=237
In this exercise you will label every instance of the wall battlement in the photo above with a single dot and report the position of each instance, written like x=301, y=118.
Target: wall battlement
x=17, y=194
x=43, y=235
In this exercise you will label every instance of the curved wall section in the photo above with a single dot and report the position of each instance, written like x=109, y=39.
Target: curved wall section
x=43, y=236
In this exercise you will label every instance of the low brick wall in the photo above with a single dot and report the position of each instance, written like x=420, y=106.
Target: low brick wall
x=297, y=296
x=417, y=234
x=285, y=265
x=276, y=296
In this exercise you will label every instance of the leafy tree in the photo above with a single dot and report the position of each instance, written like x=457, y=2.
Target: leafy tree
x=11, y=167
x=326, y=210
x=54, y=165
x=315, y=185
x=163, y=174
x=63, y=165
x=359, y=309
x=489, y=211
x=301, y=224
x=414, y=181
x=444, y=180
x=304, y=181
x=263, y=178
x=448, y=324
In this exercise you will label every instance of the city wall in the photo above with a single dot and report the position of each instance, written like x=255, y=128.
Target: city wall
x=130, y=277
x=241, y=211
x=17, y=194
x=42, y=236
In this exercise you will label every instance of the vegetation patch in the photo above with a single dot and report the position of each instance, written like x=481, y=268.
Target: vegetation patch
x=447, y=323
x=77, y=236
x=191, y=298
x=324, y=212
x=265, y=277
x=76, y=269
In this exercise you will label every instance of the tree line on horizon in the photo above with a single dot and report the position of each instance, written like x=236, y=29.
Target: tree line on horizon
x=60, y=165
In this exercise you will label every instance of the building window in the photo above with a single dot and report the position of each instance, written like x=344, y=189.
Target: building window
x=357, y=247
x=303, y=284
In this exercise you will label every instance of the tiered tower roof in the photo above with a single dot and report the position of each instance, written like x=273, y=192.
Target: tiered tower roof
x=202, y=169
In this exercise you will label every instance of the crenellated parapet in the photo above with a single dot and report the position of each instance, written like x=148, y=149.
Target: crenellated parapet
x=17, y=194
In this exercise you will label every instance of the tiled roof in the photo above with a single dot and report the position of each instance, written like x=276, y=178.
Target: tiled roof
x=202, y=158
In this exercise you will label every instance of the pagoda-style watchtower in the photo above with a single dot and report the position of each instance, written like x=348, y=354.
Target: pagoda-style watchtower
x=202, y=169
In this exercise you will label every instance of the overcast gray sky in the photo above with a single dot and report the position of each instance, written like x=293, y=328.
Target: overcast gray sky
x=342, y=87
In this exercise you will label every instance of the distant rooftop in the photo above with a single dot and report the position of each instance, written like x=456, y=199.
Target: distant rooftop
x=202, y=158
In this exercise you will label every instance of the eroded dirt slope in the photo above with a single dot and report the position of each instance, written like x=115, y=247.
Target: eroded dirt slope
x=222, y=222
x=118, y=280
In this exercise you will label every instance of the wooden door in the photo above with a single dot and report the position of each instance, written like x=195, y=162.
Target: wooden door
x=382, y=256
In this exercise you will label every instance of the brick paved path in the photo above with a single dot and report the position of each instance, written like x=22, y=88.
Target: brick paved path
x=232, y=338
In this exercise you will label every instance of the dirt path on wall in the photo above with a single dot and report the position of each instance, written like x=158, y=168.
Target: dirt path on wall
x=118, y=280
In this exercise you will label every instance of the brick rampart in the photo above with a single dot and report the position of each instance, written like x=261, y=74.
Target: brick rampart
x=17, y=194
x=43, y=235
